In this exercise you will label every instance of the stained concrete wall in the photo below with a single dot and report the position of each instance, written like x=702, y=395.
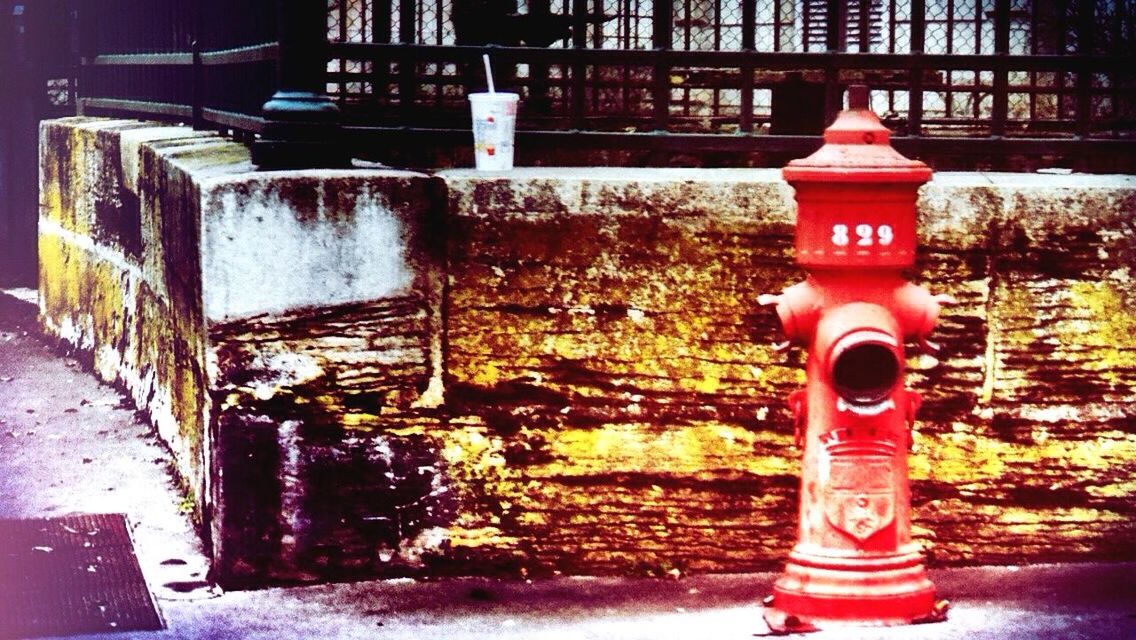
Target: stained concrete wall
x=596, y=390
x=187, y=276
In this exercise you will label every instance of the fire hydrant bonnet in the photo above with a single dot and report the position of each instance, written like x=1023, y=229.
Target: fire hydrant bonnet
x=857, y=148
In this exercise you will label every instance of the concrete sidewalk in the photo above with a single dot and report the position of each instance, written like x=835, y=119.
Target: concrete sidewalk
x=69, y=444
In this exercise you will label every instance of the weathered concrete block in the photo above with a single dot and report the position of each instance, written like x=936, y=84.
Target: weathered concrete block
x=638, y=414
x=234, y=306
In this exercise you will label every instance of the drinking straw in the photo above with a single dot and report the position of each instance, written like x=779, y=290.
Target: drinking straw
x=488, y=72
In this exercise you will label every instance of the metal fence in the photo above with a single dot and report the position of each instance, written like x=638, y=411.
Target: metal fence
x=990, y=78
x=208, y=62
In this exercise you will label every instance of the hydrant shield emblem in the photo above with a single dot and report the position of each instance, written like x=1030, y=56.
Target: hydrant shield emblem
x=859, y=497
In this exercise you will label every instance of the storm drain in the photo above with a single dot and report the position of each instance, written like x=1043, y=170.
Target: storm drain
x=69, y=575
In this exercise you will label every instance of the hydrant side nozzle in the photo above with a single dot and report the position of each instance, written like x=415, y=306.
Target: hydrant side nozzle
x=783, y=315
x=798, y=308
x=918, y=312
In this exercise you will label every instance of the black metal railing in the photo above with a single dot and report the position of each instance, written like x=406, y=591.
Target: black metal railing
x=158, y=60
x=1054, y=82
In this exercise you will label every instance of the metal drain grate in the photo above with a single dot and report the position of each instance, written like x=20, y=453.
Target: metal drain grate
x=68, y=575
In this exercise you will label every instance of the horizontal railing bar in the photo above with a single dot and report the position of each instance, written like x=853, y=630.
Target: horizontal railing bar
x=242, y=55
x=233, y=119
x=140, y=60
x=229, y=119
x=738, y=142
x=239, y=55
x=762, y=60
x=168, y=109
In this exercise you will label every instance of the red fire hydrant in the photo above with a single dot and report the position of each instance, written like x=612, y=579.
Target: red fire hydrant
x=854, y=561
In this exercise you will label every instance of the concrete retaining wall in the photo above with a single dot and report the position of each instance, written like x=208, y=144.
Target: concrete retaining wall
x=596, y=391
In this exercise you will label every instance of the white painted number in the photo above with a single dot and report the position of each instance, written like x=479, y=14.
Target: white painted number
x=840, y=235
x=864, y=233
x=885, y=233
x=866, y=236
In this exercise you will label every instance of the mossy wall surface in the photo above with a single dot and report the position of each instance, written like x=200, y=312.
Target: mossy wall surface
x=567, y=369
x=118, y=247
x=638, y=416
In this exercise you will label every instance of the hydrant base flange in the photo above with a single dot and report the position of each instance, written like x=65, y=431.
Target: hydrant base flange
x=810, y=597
x=783, y=622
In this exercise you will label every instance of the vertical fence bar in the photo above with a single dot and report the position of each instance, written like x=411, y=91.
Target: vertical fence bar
x=579, y=69
x=776, y=24
x=86, y=41
x=302, y=121
x=341, y=64
x=597, y=42
x=198, y=90
x=662, y=37
x=1121, y=20
x=865, y=25
x=975, y=93
x=406, y=65
x=891, y=44
x=196, y=22
x=76, y=38
x=1035, y=27
x=1061, y=29
x=836, y=19
x=749, y=43
x=381, y=33
x=915, y=90
x=1001, y=89
x=1085, y=44
x=806, y=24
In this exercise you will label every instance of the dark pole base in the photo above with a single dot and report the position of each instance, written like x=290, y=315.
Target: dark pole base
x=301, y=130
x=268, y=154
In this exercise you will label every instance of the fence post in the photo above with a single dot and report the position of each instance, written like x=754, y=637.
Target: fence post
x=579, y=69
x=836, y=18
x=749, y=44
x=1001, y=88
x=1086, y=24
x=198, y=90
x=302, y=123
x=662, y=22
x=915, y=92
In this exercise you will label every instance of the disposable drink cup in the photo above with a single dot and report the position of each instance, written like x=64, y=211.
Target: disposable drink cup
x=494, y=126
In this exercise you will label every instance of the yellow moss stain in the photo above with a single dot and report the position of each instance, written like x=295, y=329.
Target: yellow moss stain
x=480, y=475
x=107, y=303
x=964, y=457
x=477, y=470
x=1011, y=329
x=670, y=317
x=1011, y=516
x=690, y=450
x=51, y=201
x=59, y=283
x=1107, y=323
